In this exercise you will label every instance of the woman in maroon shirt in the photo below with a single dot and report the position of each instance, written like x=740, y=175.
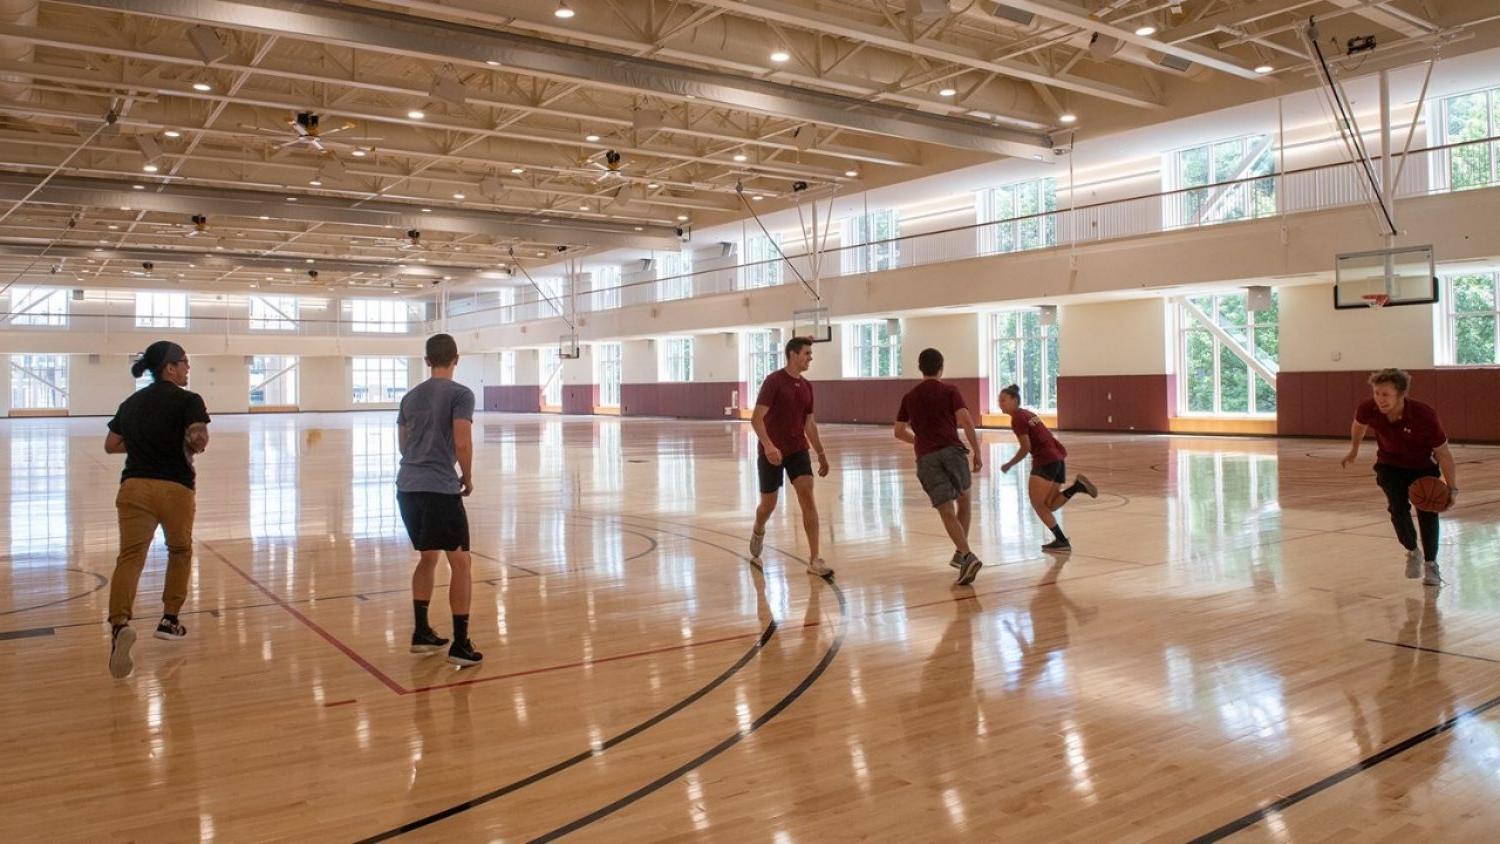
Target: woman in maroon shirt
x=1411, y=445
x=1048, y=471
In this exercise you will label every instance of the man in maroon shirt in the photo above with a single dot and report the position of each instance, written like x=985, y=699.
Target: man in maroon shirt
x=1411, y=445
x=784, y=425
x=929, y=418
x=1048, y=471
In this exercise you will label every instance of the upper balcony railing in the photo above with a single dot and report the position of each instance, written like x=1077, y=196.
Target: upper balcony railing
x=103, y=325
x=1432, y=170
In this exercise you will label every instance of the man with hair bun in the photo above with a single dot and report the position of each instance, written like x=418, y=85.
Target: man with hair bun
x=158, y=429
x=1411, y=444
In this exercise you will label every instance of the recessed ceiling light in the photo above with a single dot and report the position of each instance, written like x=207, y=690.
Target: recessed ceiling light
x=458, y=196
x=315, y=183
x=516, y=171
x=682, y=218
x=1067, y=117
x=138, y=187
x=416, y=114
x=307, y=260
x=220, y=248
x=171, y=133
x=563, y=10
x=283, y=269
x=541, y=254
x=740, y=156
x=254, y=286
x=426, y=210
x=359, y=152
x=853, y=174
x=591, y=138
x=291, y=199
x=1145, y=30
x=421, y=260
x=492, y=63
x=640, y=228
x=583, y=206
x=113, y=227
x=202, y=86
x=947, y=92
x=264, y=217
x=653, y=185
x=781, y=56
x=1263, y=69
x=150, y=168
x=757, y=197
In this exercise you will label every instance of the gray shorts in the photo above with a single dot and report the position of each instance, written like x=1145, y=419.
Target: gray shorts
x=944, y=474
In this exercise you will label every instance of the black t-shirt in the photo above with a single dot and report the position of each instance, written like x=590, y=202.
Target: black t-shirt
x=154, y=423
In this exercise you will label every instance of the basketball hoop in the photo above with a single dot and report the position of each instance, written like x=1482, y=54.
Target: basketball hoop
x=1376, y=300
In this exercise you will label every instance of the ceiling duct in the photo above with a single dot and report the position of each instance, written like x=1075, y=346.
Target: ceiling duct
x=1014, y=15
x=1177, y=63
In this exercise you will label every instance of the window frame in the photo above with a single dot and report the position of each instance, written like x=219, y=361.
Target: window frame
x=1001, y=233
x=1178, y=195
x=866, y=340
x=60, y=367
x=270, y=312
x=35, y=306
x=381, y=316
x=1448, y=351
x=864, y=248
x=160, y=309
x=676, y=361
x=291, y=371
x=763, y=265
x=674, y=276
x=1442, y=169
x=1186, y=325
x=763, y=356
x=1046, y=338
x=384, y=373
x=609, y=359
x=550, y=358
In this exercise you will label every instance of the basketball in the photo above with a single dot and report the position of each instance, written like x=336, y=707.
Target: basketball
x=1429, y=495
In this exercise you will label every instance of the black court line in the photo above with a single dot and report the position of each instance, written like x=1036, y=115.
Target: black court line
x=1243, y=823
x=100, y=582
x=1433, y=650
x=27, y=634
x=512, y=787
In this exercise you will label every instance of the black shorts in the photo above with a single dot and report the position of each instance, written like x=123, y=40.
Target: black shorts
x=435, y=521
x=1056, y=471
x=793, y=466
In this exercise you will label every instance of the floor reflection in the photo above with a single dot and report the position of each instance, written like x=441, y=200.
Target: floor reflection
x=38, y=495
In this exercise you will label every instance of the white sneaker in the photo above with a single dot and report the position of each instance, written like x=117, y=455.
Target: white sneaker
x=818, y=567
x=957, y=561
x=757, y=544
x=1432, y=577
x=120, y=663
x=1413, y=564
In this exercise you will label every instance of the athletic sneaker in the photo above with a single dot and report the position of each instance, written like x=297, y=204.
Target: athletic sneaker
x=1413, y=564
x=1088, y=485
x=170, y=629
x=120, y=663
x=1058, y=546
x=818, y=567
x=1431, y=577
x=463, y=654
x=957, y=561
x=757, y=544
x=427, y=641
x=969, y=570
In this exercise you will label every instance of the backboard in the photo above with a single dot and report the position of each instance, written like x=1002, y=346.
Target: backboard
x=1405, y=275
x=568, y=347
x=812, y=322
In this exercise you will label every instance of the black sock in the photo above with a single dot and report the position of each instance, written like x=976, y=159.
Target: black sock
x=460, y=629
x=419, y=609
x=170, y=617
x=1070, y=491
x=1058, y=533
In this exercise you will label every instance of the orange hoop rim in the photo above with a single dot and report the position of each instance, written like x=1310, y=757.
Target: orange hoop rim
x=1376, y=300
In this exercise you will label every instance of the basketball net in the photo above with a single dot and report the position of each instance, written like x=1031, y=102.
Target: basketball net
x=1376, y=300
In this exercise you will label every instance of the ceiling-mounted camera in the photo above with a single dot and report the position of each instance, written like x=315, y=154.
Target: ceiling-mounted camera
x=684, y=233
x=312, y=274
x=799, y=186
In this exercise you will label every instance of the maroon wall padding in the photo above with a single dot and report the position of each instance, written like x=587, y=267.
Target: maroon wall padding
x=520, y=398
x=1321, y=404
x=1115, y=402
x=685, y=400
x=580, y=399
x=877, y=400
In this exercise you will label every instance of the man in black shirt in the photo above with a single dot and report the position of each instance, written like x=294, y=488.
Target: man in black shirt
x=158, y=429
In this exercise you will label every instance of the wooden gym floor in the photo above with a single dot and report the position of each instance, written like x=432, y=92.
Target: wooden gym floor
x=1231, y=650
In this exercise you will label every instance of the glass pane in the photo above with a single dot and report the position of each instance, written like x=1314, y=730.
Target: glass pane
x=1474, y=340
x=1228, y=156
x=1231, y=310
x=1268, y=345
x=1199, y=359
x=1052, y=358
x=1031, y=386
x=1007, y=370
x=1005, y=325
x=1265, y=397
x=1474, y=293
x=1192, y=167
x=1234, y=382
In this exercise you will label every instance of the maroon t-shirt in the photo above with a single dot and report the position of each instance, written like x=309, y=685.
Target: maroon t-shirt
x=789, y=401
x=1044, y=447
x=930, y=408
x=1408, y=442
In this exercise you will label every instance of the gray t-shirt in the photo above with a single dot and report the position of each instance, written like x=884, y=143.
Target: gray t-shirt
x=427, y=414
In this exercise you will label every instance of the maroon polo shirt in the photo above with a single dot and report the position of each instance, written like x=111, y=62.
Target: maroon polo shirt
x=1044, y=447
x=929, y=408
x=788, y=401
x=1407, y=442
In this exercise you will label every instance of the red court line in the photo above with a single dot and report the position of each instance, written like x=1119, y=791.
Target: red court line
x=339, y=703
x=311, y=625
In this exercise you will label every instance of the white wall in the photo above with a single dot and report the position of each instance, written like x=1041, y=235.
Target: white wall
x=223, y=381
x=1317, y=337
x=96, y=388
x=716, y=357
x=638, y=362
x=1128, y=337
x=958, y=337
x=326, y=384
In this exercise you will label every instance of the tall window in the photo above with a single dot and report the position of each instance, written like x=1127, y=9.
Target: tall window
x=39, y=306
x=506, y=296
x=675, y=269
x=381, y=379
x=39, y=382
x=273, y=313
x=1024, y=352
x=677, y=359
x=608, y=358
x=507, y=369
x=1470, y=337
x=605, y=285
x=161, y=310
x=273, y=381
x=380, y=316
x=874, y=349
x=1469, y=117
x=552, y=376
x=878, y=229
x=1214, y=376
x=763, y=262
x=762, y=357
x=1214, y=173
x=1019, y=216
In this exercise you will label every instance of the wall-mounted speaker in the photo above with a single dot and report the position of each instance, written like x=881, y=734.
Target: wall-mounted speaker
x=1258, y=298
x=1047, y=314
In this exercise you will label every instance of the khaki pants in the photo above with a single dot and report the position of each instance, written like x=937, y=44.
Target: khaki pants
x=143, y=505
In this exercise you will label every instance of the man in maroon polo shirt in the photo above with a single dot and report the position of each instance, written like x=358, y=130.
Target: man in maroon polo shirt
x=1411, y=444
x=784, y=425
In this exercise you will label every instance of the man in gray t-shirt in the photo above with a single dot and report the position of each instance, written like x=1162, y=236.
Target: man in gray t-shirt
x=436, y=428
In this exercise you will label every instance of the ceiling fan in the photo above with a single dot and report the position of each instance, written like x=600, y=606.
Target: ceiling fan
x=606, y=166
x=307, y=132
x=412, y=242
x=144, y=271
x=198, y=228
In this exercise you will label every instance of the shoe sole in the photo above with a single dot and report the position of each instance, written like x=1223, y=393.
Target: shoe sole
x=1088, y=486
x=815, y=573
x=427, y=649
x=464, y=663
x=1065, y=550
x=956, y=564
x=120, y=663
x=967, y=574
x=168, y=637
